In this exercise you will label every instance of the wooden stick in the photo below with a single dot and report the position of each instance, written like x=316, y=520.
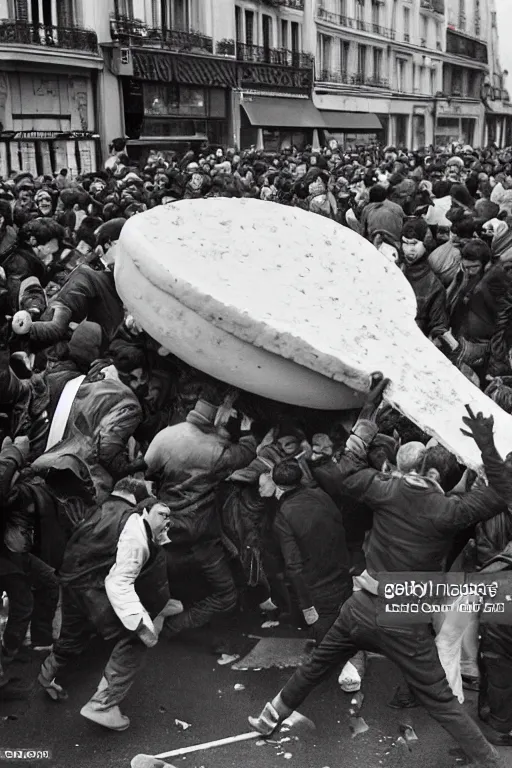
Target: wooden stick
x=210, y=745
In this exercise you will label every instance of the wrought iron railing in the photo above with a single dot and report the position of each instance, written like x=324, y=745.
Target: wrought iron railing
x=359, y=24
x=437, y=6
x=358, y=78
x=297, y=4
x=70, y=38
x=462, y=45
x=259, y=54
x=134, y=32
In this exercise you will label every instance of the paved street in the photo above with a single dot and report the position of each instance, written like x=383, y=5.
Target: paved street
x=183, y=681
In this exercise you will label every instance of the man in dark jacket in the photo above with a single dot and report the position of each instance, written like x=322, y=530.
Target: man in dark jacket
x=189, y=461
x=381, y=216
x=432, y=316
x=413, y=525
x=310, y=530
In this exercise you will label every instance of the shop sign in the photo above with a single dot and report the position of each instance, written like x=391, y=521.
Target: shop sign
x=167, y=68
x=285, y=78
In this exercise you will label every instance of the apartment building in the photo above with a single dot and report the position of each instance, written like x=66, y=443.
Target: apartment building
x=49, y=72
x=223, y=72
x=410, y=72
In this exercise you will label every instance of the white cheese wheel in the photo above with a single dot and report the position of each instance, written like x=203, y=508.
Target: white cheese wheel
x=291, y=306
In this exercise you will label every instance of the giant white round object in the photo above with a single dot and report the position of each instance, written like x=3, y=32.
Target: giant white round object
x=291, y=306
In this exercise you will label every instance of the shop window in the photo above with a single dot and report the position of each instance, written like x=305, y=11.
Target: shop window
x=218, y=102
x=468, y=130
x=172, y=100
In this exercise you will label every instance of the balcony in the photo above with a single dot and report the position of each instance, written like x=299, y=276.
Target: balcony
x=357, y=24
x=132, y=32
x=342, y=77
x=298, y=5
x=460, y=44
x=68, y=38
x=258, y=54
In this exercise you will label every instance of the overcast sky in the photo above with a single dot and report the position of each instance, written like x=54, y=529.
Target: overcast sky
x=504, y=8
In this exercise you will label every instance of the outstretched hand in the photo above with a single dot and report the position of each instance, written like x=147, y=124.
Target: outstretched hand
x=375, y=395
x=480, y=428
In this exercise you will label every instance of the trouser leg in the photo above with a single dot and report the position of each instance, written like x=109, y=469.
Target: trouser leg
x=126, y=659
x=211, y=560
x=495, y=703
x=414, y=651
x=45, y=588
x=75, y=633
x=21, y=604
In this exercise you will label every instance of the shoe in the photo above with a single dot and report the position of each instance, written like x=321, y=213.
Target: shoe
x=54, y=691
x=14, y=689
x=495, y=737
x=274, y=713
x=470, y=683
x=19, y=657
x=112, y=718
x=403, y=700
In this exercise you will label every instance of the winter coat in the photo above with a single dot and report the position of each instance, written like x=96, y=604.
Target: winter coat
x=189, y=460
x=103, y=417
x=92, y=552
x=413, y=521
x=386, y=217
x=473, y=312
x=87, y=295
x=312, y=538
x=432, y=317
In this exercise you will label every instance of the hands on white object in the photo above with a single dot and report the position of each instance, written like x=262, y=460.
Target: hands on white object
x=172, y=608
x=310, y=616
x=22, y=443
x=269, y=438
x=148, y=635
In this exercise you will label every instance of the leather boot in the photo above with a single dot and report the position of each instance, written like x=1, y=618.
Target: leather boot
x=273, y=714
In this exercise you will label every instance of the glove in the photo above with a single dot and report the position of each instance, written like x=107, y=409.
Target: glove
x=480, y=428
x=22, y=443
x=310, y=616
x=375, y=395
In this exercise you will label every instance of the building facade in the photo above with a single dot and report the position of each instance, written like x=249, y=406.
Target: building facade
x=227, y=73
x=50, y=65
x=410, y=72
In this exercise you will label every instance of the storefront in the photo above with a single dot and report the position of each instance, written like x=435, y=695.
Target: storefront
x=459, y=123
x=274, y=124
x=47, y=122
x=172, y=99
x=352, y=128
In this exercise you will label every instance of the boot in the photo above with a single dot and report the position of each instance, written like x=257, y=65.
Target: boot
x=112, y=718
x=273, y=714
x=46, y=680
x=352, y=674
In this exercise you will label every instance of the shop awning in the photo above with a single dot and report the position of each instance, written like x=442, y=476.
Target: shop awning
x=351, y=121
x=282, y=113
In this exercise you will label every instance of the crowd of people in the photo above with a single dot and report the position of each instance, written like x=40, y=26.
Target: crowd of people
x=124, y=473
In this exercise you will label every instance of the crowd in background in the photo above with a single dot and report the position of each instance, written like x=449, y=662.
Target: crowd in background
x=111, y=445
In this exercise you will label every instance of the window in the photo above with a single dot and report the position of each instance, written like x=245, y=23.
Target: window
x=439, y=44
x=295, y=37
x=456, y=81
x=407, y=25
x=179, y=14
x=344, y=54
x=239, y=32
x=360, y=9
x=377, y=64
x=164, y=100
x=478, y=19
x=342, y=7
x=375, y=17
x=249, y=28
x=462, y=15
x=284, y=34
x=325, y=52
x=400, y=75
x=125, y=8
x=424, y=31
x=266, y=25
x=361, y=62
x=433, y=81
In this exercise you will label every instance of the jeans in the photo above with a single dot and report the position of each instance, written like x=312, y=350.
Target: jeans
x=412, y=648
x=126, y=659
x=495, y=701
x=33, y=598
x=209, y=560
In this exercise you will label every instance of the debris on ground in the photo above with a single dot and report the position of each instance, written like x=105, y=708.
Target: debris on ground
x=269, y=624
x=239, y=687
x=226, y=659
x=408, y=732
x=182, y=724
x=358, y=726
